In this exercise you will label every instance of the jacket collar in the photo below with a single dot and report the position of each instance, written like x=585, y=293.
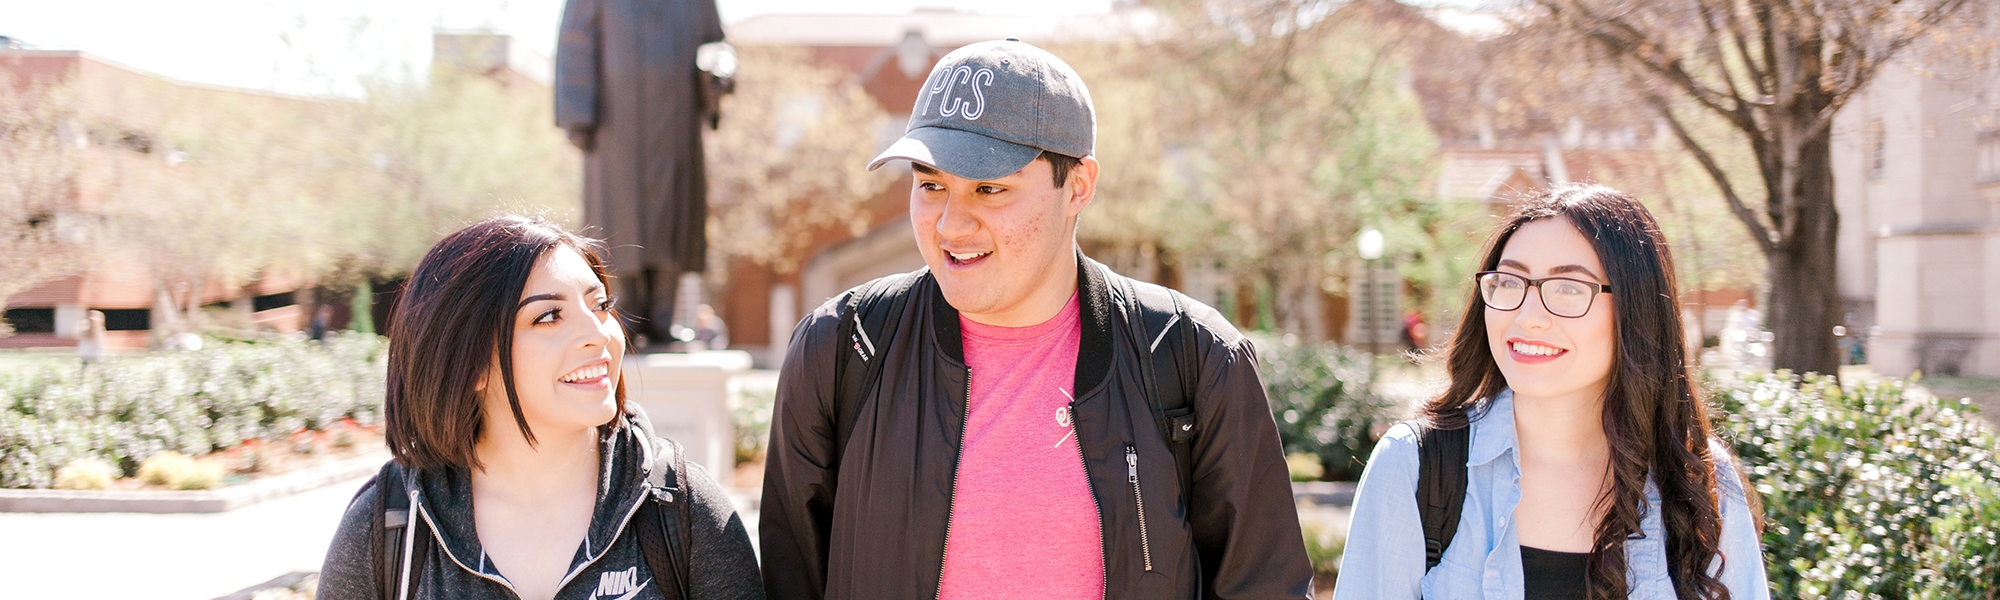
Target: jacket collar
x=1093, y=357
x=445, y=496
x=1492, y=429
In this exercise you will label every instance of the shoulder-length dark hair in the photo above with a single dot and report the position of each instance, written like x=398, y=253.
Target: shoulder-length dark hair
x=455, y=316
x=1654, y=418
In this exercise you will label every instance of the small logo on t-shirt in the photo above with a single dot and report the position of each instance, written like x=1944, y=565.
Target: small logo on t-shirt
x=619, y=585
x=1064, y=419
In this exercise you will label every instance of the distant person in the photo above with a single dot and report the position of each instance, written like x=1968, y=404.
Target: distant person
x=1015, y=420
x=90, y=340
x=537, y=479
x=1415, y=334
x=709, y=329
x=1571, y=456
x=318, y=327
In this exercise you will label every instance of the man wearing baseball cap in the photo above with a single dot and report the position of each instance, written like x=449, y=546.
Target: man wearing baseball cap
x=1015, y=420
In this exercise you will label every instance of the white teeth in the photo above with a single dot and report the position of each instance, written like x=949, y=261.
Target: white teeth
x=967, y=256
x=590, y=372
x=1535, y=349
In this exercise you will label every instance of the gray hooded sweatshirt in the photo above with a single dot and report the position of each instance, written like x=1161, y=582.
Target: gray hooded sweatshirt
x=609, y=564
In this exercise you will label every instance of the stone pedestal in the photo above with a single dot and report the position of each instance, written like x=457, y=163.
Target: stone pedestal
x=687, y=397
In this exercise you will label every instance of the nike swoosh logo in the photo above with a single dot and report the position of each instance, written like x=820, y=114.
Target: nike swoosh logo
x=635, y=590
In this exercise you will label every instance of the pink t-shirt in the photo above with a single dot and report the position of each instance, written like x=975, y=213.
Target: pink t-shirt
x=1023, y=523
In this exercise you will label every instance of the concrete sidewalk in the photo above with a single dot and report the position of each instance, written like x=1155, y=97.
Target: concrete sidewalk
x=167, y=557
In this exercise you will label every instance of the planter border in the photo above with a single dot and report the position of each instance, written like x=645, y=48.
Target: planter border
x=199, y=501
x=1324, y=493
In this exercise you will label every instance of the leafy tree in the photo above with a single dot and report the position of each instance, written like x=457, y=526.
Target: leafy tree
x=38, y=163
x=786, y=161
x=1274, y=129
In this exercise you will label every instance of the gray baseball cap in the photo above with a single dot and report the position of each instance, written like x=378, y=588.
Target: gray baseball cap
x=988, y=109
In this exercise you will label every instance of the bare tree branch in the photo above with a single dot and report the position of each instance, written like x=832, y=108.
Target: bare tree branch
x=1742, y=211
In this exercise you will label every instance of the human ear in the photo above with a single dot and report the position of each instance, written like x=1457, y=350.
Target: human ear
x=1082, y=186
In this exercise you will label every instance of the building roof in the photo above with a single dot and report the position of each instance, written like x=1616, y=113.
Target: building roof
x=1487, y=175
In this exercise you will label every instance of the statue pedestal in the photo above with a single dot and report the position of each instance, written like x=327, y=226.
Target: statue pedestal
x=687, y=397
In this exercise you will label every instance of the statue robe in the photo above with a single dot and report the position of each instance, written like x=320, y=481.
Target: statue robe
x=625, y=71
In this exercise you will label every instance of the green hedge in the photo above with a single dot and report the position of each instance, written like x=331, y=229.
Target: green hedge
x=1868, y=492
x=125, y=409
x=1318, y=394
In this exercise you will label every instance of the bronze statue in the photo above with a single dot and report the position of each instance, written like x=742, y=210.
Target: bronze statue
x=630, y=96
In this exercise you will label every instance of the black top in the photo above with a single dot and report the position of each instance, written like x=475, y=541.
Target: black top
x=1549, y=575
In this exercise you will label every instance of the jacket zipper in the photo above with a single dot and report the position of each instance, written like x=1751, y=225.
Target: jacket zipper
x=1103, y=554
x=439, y=540
x=1138, y=499
x=964, y=426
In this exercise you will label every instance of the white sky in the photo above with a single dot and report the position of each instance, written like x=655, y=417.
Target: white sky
x=315, y=47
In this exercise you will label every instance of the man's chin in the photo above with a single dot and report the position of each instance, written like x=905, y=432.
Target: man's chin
x=963, y=297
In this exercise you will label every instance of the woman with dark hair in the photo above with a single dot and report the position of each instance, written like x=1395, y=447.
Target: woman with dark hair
x=520, y=471
x=1589, y=468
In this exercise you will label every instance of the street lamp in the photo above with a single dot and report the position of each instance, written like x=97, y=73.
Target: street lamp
x=1371, y=250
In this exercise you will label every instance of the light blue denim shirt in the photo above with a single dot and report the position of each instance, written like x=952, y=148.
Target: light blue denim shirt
x=1385, y=543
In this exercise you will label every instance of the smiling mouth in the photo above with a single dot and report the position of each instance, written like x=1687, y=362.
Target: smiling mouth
x=966, y=258
x=592, y=373
x=1530, y=349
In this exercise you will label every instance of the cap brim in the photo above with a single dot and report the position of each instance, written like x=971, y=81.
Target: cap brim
x=960, y=153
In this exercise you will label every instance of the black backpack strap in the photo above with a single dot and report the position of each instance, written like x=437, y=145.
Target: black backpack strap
x=400, y=538
x=864, y=330
x=1170, y=342
x=1441, y=456
x=664, y=520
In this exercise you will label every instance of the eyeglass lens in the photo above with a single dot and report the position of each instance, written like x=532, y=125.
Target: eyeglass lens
x=1563, y=297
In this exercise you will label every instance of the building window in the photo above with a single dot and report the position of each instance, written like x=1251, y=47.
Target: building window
x=264, y=303
x=32, y=320
x=127, y=319
x=1878, y=149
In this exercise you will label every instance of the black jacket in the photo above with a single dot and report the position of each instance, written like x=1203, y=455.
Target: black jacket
x=870, y=523
x=609, y=565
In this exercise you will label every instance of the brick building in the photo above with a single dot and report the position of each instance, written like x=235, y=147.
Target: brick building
x=116, y=122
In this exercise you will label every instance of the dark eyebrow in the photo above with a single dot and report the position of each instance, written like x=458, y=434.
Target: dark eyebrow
x=538, y=298
x=1553, y=270
x=556, y=296
x=1574, y=269
x=925, y=169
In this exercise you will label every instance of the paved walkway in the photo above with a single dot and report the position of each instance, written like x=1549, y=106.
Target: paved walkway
x=167, y=557
x=124, y=556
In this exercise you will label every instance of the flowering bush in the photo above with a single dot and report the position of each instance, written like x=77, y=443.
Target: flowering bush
x=127, y=409
x=1868, y=492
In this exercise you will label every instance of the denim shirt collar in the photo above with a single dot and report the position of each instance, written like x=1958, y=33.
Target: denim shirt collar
x=1492, y=429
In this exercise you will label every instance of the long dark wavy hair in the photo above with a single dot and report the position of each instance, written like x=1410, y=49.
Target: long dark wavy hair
x=1656, y=422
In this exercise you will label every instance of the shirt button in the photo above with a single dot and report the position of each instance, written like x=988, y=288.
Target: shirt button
x=1503, y=521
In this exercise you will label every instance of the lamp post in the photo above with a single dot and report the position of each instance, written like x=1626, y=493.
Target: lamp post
x=1370, y=244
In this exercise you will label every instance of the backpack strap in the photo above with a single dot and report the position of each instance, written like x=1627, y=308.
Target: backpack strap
x=864, y=328
x=665, y=532
x=399, y=537
x=1441, y=482
x=1170, y=345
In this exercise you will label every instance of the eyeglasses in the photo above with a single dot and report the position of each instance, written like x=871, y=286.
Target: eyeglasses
x=1564, y=297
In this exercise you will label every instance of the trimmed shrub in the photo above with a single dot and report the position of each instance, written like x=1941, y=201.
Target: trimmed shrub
x=1319, y=397
x=750, y=409
x=1868, y=492
x=164, y=468
x=130, y=408
x=89, y=473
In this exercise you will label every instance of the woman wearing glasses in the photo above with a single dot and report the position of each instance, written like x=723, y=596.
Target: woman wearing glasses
x=1589, y=467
